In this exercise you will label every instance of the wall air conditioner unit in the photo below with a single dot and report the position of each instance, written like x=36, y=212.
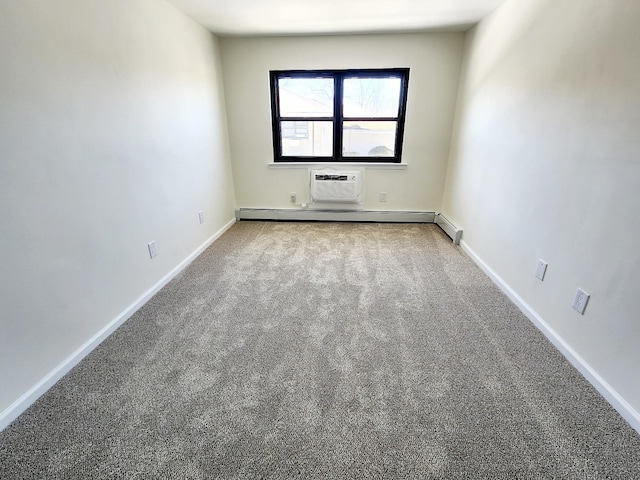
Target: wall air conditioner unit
x=331, y=186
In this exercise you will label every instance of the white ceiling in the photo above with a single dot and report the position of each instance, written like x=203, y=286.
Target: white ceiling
x=295, y=17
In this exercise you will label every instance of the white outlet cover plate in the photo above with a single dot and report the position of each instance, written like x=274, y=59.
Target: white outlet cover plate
x=580, y=301
x=152, y=249
x=541, y=269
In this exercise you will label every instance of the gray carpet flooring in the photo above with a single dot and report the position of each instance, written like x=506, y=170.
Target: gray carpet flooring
x=324, y=350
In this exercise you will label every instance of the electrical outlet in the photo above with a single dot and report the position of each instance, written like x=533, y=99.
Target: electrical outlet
x=580, y=301
x=201, y=216
x=541, y=269
x=152, y=249
x=383, y=196
x=293, y=197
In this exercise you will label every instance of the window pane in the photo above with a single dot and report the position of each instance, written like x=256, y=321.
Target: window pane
x=371, y=97
x=306, y=97
x=295, y=129
x=317, y=143
x=369, y=139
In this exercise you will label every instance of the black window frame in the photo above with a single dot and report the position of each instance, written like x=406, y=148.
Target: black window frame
x=338, y=117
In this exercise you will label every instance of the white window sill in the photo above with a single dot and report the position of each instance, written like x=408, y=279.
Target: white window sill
x=371, y=165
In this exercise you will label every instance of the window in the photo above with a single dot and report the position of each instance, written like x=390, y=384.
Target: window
x=338, y=115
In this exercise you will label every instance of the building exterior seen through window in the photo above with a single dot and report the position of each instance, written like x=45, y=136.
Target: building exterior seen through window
x=339, y=115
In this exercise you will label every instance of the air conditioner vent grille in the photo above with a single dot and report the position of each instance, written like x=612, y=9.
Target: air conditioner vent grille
x=336, y=187
x=326, y=176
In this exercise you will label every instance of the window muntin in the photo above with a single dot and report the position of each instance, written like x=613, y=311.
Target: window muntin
x=350, y=115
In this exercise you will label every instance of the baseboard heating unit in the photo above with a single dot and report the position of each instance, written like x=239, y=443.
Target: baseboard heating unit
x=333, y=215
x=449, y=228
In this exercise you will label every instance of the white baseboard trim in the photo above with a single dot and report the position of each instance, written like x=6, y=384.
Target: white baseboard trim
x=30, y=396
x=334, y=215
x=610, y=395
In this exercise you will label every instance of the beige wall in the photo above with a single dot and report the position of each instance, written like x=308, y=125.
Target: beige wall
x=112, y=134
x=434, y=60
x=545, y=163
